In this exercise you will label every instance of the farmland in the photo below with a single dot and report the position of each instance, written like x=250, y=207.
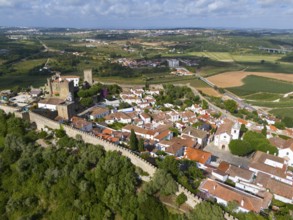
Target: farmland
x=236, y=79
x=254, y=84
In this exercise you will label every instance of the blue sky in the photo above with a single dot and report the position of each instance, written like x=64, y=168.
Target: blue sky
x=147, y=13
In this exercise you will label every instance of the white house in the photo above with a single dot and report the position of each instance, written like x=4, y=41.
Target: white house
x=75, y=79
x=271, y=165
x=285, y=148
x=145, y=117
x=199, y=136
x=50, y=103
x=224, y=194
x=99, y=112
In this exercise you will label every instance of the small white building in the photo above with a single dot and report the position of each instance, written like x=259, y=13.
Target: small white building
x=50, y=103
x=226, y=132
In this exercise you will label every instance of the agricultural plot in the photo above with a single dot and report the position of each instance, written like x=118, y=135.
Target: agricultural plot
x=25, y=66
x=255, y=84
x=263, y=96
x=283, y=112
x=255, y=57
x=235, y=79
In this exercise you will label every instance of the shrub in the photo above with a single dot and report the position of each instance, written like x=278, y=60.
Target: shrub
x=240, y=148
x=181, y=199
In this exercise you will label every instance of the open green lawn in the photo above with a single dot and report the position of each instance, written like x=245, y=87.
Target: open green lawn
x=256, y=84
x=283, y=112
x=280, y=104
x=25, y=66
x=263, y=96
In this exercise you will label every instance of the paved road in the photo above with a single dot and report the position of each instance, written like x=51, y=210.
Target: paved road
x=223, y=155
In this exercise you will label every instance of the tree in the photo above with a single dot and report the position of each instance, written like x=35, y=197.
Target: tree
x=86, y=102
x=181, y=199
x=133, y=143
x=264, y=130
x=141, y=145
x=232, y=206
x=207, y=211
x=162, y=182
x=230, y=105
x=240, y=148
x=60, y=133
x=204, y=104
x=170, y=164
x=243, y=129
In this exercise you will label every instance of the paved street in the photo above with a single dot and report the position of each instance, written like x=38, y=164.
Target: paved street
x=226, y=156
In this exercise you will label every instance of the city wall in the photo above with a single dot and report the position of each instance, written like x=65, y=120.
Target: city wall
x=42, y=122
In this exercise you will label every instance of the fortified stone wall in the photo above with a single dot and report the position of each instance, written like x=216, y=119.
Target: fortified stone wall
x=42, y=122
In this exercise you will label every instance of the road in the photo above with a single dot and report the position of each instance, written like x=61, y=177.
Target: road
x=211, y=105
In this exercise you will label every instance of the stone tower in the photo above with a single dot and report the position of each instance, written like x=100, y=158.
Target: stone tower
x=88, y=76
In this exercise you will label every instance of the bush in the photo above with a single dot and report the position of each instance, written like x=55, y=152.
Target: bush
x=240, y=148
x=181, y=199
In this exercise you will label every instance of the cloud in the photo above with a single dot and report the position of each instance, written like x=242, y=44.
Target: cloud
x=131, y=10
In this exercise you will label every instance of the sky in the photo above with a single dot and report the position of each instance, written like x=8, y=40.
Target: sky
x=147, y=13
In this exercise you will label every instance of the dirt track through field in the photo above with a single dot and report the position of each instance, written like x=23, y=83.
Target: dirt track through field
x=209, y=91
x=235, y=79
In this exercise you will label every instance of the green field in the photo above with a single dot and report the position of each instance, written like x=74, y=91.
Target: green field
x=25, y=66
x=9, y=81
x=283, y=112
x=164, y=79
x=262, y=96
x=280, y=104
x=227, y=56
x=256, y=84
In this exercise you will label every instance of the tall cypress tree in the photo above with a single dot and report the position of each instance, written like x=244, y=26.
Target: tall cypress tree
x=133, y=141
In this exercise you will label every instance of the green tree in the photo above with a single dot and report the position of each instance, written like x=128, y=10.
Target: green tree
x=141, y=145
x=181, y=198
x=60, y=133
x=204, y=104
x=240, y=148
x=230, y=105
x=86, y=102
x=207, y=211
x=170, y=164
x=133, y=143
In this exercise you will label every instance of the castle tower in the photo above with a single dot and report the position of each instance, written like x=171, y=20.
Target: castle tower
x=88, y=76
x=50, y=90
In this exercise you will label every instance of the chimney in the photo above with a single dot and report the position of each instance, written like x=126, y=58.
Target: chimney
x=215, y=187
x=242, y=202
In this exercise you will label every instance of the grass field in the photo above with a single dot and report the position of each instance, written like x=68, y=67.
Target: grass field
x=255, y=84
x=283, y=112
x=164, y=79
x=279, y=67
x=9, y=81
x=226, y=56
x=25, y=66
x=263, y=96
x=280, y=104
x=210, y=71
